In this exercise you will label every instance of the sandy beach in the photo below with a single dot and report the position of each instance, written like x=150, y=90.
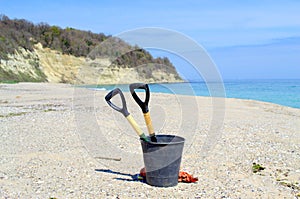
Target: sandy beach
x=62, y=141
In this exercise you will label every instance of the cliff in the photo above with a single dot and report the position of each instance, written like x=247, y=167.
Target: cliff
x=43, y=53
x=46, y=65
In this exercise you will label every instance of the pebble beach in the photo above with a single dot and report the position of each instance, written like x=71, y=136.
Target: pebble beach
x=62, y=141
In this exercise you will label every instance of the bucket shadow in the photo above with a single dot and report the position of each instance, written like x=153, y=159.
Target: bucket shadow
x=133, y=178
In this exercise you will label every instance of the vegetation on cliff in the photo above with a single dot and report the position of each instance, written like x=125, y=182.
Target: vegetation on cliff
x=19, y=34
x=22, y=33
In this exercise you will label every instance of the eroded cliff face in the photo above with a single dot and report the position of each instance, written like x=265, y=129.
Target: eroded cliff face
x=23, y=65
x=44, y=64
x=58, y=67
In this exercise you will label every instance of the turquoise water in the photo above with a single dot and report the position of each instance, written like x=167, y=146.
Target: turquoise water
x=282, y=92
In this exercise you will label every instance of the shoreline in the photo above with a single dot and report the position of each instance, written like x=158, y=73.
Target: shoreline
x=51, y=134
x=104, y=87
x=194, y=92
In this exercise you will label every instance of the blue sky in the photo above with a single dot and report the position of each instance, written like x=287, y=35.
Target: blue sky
x=255, y=39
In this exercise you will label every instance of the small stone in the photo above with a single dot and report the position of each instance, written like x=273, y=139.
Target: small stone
x=40, y=182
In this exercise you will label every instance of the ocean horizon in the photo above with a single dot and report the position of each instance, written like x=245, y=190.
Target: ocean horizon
x=285, y=92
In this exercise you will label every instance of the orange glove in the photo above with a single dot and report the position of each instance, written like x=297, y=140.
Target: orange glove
x=185, y=177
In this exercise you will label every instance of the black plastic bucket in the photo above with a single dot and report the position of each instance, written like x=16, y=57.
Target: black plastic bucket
x=162, y=160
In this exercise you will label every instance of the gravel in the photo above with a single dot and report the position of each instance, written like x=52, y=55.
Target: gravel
x=50, y=135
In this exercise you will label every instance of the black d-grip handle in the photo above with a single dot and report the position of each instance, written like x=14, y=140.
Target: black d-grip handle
x=110, y=95
x=143, y=105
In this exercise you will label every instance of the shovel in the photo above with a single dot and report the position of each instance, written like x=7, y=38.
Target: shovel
x=144, y=106
x=124, y=111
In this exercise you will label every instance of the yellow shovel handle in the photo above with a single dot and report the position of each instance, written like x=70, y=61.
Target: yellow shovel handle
x=136, y=127
x=149, y=123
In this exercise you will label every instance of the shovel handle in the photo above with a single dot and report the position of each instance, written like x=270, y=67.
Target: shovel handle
x=149, y=124
x=110, y=95
x=143, y=105
x=136, y=127
x=124, y=111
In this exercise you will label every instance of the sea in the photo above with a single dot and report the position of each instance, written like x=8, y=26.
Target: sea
x=284, y=92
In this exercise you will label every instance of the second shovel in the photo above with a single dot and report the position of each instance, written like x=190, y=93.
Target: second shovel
x=144, y=106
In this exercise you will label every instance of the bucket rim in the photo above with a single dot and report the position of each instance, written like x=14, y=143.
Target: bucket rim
x=165, y=143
